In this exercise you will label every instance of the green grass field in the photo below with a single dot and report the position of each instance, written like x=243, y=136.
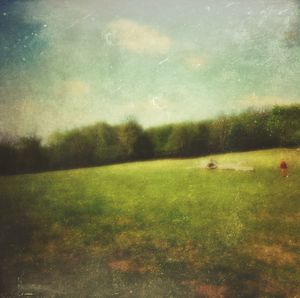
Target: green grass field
x=155, y=229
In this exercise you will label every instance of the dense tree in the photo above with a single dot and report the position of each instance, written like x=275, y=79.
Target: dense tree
x=219, y=130
x=284, y=122
x=30, y=154
x=188, y=139
x=134, y=142
x=103, y=144
x=69, y=149
x=159, y=137
x=200, y=142
x=106, y=147
x=237, y=138
x=258, y=133
x=180, y=140
x=7, y=157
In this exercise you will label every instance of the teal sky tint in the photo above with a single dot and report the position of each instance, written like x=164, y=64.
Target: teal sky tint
x=71, y=63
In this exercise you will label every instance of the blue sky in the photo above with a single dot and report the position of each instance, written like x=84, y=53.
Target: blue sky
x=66, y=64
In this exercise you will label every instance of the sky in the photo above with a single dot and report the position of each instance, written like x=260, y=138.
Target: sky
x=66, y=64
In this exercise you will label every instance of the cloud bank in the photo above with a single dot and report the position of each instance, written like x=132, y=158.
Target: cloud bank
x=139, y=38
x=255, y=101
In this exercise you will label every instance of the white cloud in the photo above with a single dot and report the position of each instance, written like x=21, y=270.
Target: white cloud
x=193, y=61
x=139, y=38
x=74, y=88
x=26, y=116
x=264, y=101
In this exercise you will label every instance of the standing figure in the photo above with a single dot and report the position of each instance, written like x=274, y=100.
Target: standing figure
x=283, y=168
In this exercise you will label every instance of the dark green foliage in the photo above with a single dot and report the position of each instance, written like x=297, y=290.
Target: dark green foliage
x=25, y=155
x=7, y=158
x=92, y=145
x=237, y=137
x=258, y=132
x=219, y=130
x=106, y=143
x=202, y=137
x=284, y=123
x=159, y=137
x=102, y=143
x=180, y=140
x=31, y=155
x=134, y=142
x=188, y=139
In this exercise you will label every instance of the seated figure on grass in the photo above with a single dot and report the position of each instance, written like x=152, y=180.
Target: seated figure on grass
x=212, y=164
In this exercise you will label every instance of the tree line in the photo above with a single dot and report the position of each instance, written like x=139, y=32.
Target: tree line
x=102, y=144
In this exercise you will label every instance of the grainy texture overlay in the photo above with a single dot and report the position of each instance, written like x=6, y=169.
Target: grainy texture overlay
x=150, y=148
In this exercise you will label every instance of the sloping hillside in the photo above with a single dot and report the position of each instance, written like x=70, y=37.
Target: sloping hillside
x=155, y=229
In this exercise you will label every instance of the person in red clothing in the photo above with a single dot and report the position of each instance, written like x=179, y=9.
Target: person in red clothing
x=283, y=168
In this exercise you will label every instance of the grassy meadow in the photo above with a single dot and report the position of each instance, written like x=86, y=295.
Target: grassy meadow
x=165, y=228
